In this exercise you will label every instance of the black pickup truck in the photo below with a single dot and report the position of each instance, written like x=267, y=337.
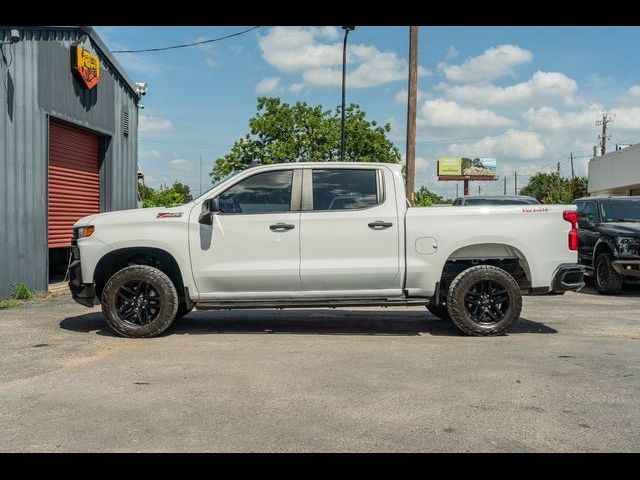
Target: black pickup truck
x=609, y=240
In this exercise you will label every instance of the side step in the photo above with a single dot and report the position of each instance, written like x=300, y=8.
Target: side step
x=312, y=303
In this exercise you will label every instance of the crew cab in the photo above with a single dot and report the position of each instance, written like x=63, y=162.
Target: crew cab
x=321, y=235
x=609, y=239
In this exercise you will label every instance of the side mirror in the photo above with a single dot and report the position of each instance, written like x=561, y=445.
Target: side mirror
x=209, y=208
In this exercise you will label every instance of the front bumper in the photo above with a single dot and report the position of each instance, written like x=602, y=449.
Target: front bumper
x=83, y=293
x=568, y=276
x=627, y=268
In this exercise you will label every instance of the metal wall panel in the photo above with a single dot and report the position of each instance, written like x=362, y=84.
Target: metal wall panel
x=73, y=180
x=37, y=82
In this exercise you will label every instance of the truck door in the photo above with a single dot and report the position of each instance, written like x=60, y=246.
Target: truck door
x=253, y=247
x=349, y=233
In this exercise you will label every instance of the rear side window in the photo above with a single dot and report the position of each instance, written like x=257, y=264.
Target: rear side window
x=587, y=214
x=345, y=189
x=261, y=193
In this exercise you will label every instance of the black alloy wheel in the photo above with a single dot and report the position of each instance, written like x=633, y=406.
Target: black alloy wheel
x=138, y=303
x=487, y=301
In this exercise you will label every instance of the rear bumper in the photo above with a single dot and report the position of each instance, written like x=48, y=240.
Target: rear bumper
x=568, y=276
x=83, y=293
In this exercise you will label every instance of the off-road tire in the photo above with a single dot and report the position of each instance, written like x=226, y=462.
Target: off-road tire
x=160, y=282
x=439, y=311
x=464, y=282
x=613, y=281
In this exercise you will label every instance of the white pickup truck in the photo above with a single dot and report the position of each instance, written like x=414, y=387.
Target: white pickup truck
x=321, y=235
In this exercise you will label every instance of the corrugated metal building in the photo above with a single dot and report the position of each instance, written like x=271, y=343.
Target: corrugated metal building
x=68, y=145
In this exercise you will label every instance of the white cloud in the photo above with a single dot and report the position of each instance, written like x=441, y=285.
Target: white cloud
x=210, y=62
x=306, y=51
x=153, y=124
x=448, y=114
x=296, y=87
x=541, y=87
x=401, y=96
x=293, y=49
x=149, y=154
x=545, y=118
x=452, y=52
x=269, y=85
x=510, y=145
x=494, y=63
x=330, y=33
x=181, y=164
x=631, y=95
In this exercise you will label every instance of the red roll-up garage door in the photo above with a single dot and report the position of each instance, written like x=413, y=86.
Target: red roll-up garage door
x=74, y=180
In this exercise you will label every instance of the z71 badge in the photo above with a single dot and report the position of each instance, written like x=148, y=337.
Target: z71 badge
x=169, y=214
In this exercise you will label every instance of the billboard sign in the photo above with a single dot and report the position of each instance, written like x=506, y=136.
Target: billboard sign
x=466, y=167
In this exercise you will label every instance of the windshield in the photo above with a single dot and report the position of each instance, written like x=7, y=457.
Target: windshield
x=627, y=210
x=501, y=201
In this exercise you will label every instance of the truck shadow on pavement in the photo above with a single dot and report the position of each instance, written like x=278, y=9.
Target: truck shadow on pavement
x=302, y=322
x=627, y=291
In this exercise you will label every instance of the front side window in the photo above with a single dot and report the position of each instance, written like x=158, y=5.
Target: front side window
x=345, y=189
x=266, y=192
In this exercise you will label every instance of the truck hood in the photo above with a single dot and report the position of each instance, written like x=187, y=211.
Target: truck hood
x=620, y=228
x=135, y=215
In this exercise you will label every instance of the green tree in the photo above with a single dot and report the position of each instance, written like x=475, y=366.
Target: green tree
x=426, y=198
x=552, y=188
x=165, y=196
x=281, y=133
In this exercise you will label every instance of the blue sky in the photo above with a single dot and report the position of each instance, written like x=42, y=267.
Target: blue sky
x=527, y=96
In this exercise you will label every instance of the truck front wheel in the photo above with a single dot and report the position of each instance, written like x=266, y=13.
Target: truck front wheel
x=484, y=300
x=608, y=281
x=139, y=301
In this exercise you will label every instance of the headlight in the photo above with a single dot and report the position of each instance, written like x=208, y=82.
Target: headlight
x=627, y=245
x=85, y=231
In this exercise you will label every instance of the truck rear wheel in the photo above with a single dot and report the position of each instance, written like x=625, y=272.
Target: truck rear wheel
x=484, y=300
x=139, y=301
x=608, y=281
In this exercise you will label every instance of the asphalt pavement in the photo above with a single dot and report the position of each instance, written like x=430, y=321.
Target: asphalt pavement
x=566, y=379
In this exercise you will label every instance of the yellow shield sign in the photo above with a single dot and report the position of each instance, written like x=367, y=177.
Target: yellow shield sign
x=86, y=64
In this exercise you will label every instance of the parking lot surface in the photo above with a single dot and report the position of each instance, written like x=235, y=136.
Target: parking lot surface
x=567, y=378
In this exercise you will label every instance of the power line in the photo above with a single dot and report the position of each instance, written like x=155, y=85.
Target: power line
x=184, y=45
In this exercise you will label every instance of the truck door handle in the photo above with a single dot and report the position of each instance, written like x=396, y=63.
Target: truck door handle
x=278, y=227
x=379, y=225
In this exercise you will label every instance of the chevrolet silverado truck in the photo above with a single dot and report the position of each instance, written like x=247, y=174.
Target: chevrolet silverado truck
x=300, y=235
x=609, y=239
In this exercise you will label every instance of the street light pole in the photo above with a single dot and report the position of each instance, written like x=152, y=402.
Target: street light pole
x=344, y=76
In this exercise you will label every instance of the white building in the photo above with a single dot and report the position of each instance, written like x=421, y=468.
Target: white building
x=616, y=173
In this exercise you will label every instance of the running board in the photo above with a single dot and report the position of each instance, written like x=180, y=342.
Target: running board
x=312, y=303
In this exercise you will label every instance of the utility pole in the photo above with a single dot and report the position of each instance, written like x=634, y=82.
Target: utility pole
x=411, y=112
x=515, y=184
x=572, y=173
x=478, y=189
x=505, y=185
x=344, y=79
x=558, y=168
x=457, y=184
x=603, y=137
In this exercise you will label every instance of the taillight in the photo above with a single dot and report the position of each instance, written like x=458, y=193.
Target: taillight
x=572, y=217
